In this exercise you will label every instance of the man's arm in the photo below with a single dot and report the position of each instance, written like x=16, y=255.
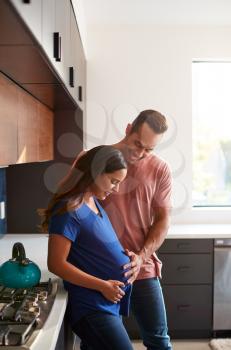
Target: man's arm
x=155, y=237
x=161, y=205
x=156, y=234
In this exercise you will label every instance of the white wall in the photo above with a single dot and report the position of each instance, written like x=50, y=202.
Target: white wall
x=78, y=6
x=131, y=68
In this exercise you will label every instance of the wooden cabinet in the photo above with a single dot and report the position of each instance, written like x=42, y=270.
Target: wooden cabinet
x=188, y=286
x=11, y=29
x=26, y=133
x=35, y=130
x=8, y=122
x=46, y=133
x=27, y=128
x=31, y=13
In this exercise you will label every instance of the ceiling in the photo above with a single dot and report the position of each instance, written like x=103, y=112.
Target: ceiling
x=180, y=12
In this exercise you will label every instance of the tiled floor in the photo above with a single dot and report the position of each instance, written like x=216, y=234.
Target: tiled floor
x=180, y=345
x=177, y=345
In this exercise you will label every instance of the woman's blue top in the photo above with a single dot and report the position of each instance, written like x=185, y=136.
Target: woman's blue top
x=96, y=250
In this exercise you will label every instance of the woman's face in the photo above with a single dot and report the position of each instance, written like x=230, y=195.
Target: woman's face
x=107, y=183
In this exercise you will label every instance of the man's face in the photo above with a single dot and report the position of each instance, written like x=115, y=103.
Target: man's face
x=140, y=144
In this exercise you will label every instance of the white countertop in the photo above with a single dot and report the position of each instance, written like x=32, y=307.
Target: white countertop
x=199, y=231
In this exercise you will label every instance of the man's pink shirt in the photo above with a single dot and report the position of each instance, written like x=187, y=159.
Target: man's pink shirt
x=132, y=210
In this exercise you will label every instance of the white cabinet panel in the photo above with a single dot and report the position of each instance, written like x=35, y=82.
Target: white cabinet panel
x=31, y=13
x=56, y=19
x=73, y=62
x=48, y=27
x=77, y=61
x=62, y=27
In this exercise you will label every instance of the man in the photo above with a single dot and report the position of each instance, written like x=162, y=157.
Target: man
x=140, y=214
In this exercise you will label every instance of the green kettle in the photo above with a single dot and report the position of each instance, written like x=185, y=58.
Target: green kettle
x=19, y=272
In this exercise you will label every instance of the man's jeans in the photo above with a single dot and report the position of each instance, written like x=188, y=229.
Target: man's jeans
x=148, y=307
x=102, y=331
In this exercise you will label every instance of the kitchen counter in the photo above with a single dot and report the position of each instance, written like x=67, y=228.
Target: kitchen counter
x=47, y=337
x=199, y=231
x=36, y=250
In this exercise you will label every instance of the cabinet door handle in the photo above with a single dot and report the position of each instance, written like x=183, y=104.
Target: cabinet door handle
x=183, y=245
x=71, y=77
x=26, y=1
x=57, y=46
x=183, y=307
x=183, y=268
x=80, y=94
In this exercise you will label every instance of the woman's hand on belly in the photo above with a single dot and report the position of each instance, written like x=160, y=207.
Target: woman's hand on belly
x=112, y=291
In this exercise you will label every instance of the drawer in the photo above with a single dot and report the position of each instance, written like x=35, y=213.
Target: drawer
x=187, y=268
x=188, y=307
x=187, y=246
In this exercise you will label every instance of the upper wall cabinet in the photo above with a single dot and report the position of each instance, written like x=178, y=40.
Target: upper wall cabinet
x=11, y=30
x=27, y=128
x=31, y=12
x=56, y=34
x=35, y=130
x=8, y=120
x=48, y=27
x=77, y=65
x=54, y=25
x=62, y=38
x=26, y=133
x=45, y=134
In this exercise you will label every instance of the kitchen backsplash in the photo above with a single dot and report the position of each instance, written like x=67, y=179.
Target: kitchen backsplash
x=2, y=199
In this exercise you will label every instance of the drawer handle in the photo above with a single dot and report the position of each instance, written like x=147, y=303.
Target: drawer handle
x=80, y=94
x=57, y=46
x=183, y=307
x=183, y=268
x=183, y=245
x=71, y=77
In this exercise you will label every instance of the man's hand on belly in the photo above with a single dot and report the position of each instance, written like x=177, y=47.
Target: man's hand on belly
x=135, y=264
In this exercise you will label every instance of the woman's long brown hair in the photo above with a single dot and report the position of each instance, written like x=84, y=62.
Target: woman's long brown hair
x=98, y=160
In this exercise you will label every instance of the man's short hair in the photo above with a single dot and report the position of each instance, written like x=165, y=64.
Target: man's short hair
x=155, y=120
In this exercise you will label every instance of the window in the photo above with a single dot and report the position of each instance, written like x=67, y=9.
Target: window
x=211, y=100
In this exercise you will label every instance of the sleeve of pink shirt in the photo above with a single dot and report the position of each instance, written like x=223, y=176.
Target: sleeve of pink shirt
x=163, y=193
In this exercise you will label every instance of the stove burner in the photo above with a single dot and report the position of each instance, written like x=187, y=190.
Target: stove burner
x=24, y=310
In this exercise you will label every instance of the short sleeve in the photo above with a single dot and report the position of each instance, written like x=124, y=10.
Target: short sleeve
x=66, y=224
x=164, y=189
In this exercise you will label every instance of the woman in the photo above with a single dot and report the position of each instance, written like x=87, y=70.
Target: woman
x=85, y=252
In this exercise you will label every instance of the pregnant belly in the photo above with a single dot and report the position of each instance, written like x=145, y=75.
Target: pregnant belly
x=116, y=266
x=107, y=264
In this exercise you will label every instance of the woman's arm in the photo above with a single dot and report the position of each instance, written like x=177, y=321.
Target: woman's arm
x=58, y=250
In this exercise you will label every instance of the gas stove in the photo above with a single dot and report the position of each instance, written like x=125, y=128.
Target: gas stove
x=23, y=312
